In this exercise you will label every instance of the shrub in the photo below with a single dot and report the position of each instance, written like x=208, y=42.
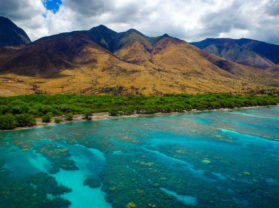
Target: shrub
x=128, y=111
x=7, y=122
x=47, y=117
x=87, y=115
x=150, y=110
x=16, y=110
x=69, y=116
x=113, y=113
x=57, y=120
x=4, y=109
x=25, y=120
x=109, y=89
x=42, y=105
x=46, y=109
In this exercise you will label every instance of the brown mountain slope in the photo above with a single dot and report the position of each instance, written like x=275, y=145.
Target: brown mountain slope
x=244, y=51
x=47, y=56
x=189, y=69
x=101, y=61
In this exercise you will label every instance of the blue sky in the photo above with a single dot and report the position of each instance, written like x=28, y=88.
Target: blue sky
x=52, y=5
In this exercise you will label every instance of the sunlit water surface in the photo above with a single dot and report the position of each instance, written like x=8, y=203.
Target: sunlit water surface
x=210, y=159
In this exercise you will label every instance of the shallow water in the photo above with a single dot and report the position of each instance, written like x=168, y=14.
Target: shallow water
x=210, y=159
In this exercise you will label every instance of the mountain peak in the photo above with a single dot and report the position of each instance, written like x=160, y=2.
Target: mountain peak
x=113, y=41
x=165, y=35
x=10, y=34
x=132, y=30
x=102, y=28
x=103, y=36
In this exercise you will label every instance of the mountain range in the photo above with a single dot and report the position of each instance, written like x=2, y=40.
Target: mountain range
x=244, y=51
x=100, y=60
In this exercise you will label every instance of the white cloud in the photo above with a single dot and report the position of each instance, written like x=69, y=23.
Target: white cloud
x=191, y=20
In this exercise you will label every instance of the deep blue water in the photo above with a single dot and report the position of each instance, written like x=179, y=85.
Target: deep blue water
x=209, y=159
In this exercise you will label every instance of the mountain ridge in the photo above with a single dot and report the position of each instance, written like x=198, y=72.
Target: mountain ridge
x=244, y=51
x=100, y=60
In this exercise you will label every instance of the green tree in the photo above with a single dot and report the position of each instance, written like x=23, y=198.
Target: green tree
x=47, y=117
x=57, y=120
x=113, y=113
x=87, y=115
x=69, y=116
x=7, y=122
x=25, y=120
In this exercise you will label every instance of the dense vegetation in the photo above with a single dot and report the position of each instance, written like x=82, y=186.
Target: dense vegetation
x=22, y=110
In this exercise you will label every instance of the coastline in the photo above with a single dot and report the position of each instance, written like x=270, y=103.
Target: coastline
x=105, y=115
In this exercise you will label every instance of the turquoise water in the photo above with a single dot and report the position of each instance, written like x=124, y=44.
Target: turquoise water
x=209, y=159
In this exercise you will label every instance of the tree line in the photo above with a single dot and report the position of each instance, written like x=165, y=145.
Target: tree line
x=22, y=111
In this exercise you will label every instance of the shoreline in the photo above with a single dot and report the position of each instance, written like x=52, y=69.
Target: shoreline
x=105, y=115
